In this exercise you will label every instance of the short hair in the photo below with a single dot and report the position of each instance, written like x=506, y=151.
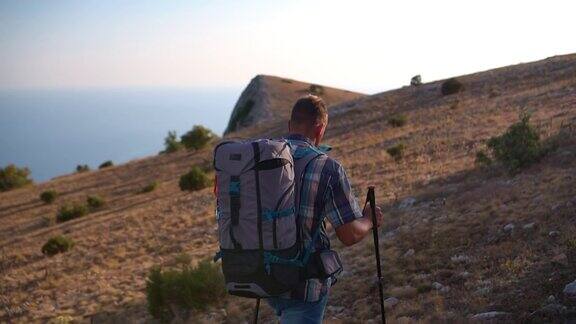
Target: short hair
x=309, y=110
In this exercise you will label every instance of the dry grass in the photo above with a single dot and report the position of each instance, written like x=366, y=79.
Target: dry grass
x=456, y=226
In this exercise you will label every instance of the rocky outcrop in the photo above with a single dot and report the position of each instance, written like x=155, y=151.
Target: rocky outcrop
x=268, y=99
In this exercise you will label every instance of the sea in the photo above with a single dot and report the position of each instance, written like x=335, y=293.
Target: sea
x=51, y=131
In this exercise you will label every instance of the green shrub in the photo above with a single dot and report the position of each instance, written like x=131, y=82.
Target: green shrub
x=518, y=147
x=49, y=196
x=316, y=89
x=82, y=168
x=95, y=202
x=150, y=187
x=482, y=159
x=416, y=80
x=197, y=138
x=171, y=143
x=106, y=164
x=12, y=177
x=451, y=86
x=57, y=244
x=396, y=151
x=71, y=211
x=397, y=120
x=184, y=289
x=195, y=179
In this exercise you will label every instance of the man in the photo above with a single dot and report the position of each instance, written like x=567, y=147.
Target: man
x=326, y=195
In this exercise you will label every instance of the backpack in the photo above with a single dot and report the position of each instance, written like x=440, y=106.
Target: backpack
x=258, y=191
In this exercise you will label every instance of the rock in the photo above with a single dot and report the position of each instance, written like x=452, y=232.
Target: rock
x=404, y=292
x=460, y=258
x=553, y=234
x=490, y=316
x=570, y=290
x=465, y=275
x=560, y=259
x=335, y=309
x=407, y=203
x=409, y=253
x=444, y=289
x=391, y=302
x=436, y=285
x=483, y=291
x=551, y=299
x=552, y=310
x=509, y=227
x=529, y=226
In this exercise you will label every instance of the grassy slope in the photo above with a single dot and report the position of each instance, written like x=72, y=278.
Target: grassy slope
x=456, y=226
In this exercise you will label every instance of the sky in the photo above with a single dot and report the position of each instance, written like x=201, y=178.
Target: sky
x=367, y=46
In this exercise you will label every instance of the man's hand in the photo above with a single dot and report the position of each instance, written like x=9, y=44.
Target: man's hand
x=353, y=232
x=367, y=213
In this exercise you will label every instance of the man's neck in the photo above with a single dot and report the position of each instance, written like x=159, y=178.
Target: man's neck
x=299, y=135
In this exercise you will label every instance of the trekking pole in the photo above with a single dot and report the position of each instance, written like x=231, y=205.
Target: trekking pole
x=256, y=311
x=372, y=200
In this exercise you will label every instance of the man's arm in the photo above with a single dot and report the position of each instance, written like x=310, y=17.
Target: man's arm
x=343, y=212
x=354, y=231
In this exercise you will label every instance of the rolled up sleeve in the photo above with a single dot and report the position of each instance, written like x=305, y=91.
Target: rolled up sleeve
x=341, y=206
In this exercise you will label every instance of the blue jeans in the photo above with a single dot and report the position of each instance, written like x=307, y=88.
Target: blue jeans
x=292, y=311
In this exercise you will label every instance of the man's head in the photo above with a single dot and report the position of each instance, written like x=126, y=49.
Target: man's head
x=309, y=118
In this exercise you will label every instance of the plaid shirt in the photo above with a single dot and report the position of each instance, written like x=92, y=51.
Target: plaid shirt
x=325, y=194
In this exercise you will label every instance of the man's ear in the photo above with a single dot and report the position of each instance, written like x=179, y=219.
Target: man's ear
x=319, y=133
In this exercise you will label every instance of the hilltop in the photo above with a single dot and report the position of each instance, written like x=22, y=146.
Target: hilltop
x=459, y=240
x=268, y=99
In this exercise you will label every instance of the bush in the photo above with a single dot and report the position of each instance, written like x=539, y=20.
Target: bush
x=195, y=179
x=316, y=89
x=396, y=151
x=95, y=202
x=12, y=177
x=197, y=138
x=397, y=120
x=82, y=168
x=49, y=196
x=71, y=211
x=183, y=289
x=416, y=80
x=150, y=187
x=451, y=86
x=57, y=244
x=482, y=159
x=106, y=164
x=518, y=147
x=171, y=143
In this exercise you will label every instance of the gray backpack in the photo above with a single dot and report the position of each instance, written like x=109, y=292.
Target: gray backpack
x=258, y=190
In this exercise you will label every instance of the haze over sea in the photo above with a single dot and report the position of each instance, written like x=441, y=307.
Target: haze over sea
x=52, y=131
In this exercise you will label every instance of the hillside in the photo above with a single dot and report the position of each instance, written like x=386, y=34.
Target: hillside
x=268, y=99
x=458, y=240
